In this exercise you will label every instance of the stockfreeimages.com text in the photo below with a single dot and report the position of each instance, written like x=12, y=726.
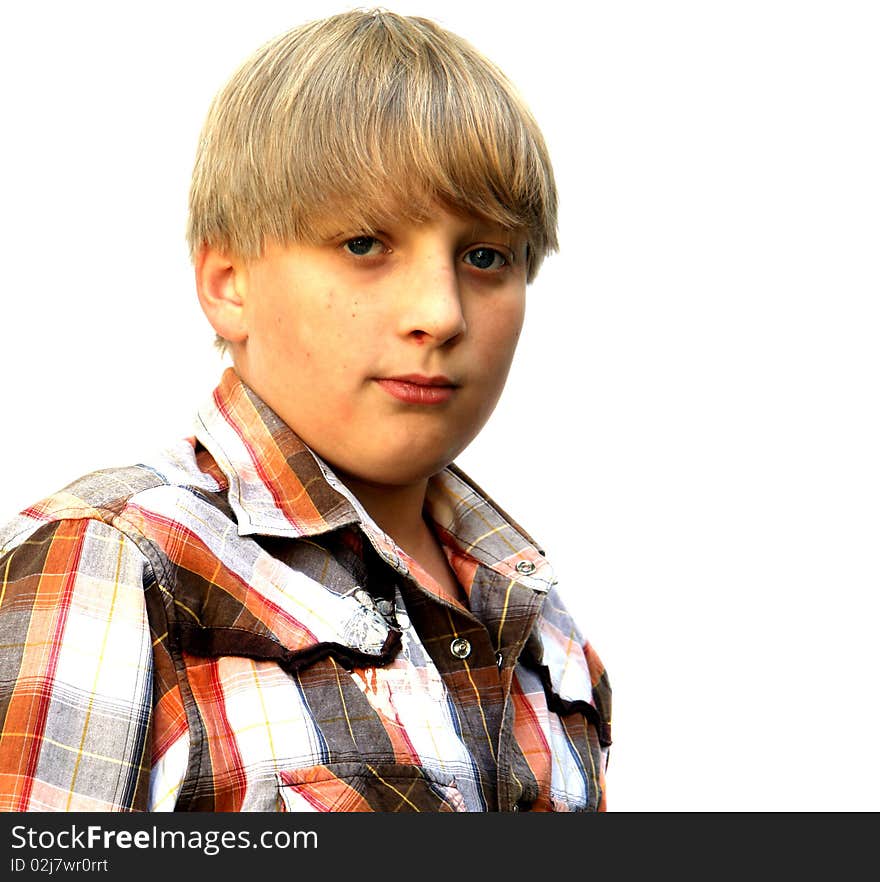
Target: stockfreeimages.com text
x=209, y=842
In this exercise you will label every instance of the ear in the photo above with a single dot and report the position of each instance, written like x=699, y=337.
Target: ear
x=221, y=282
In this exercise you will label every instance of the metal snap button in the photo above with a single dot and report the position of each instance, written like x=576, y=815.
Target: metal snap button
x=526, y=567
x=460, y=647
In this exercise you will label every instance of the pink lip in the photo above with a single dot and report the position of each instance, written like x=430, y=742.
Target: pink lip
x=417, y=389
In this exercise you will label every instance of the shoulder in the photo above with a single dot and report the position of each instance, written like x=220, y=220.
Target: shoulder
x=570, y=666
x=96, y=541
x=113, y=500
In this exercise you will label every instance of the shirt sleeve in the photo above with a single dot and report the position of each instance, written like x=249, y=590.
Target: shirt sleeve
x=75, y=671
x=602, y=701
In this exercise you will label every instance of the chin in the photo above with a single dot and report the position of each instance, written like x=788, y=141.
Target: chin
x=399, y=470
x=405, y=477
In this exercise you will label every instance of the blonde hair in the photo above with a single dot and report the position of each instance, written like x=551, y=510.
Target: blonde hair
x=363, y=116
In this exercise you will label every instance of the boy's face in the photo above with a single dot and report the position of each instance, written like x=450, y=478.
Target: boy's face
x=386, y=354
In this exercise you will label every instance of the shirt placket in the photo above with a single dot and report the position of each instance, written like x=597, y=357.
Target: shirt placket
x=475, y=653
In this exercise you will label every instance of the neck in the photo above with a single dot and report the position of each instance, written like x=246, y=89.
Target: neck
x=397, y=510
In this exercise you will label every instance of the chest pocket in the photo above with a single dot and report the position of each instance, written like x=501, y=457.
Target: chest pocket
x=366, y=787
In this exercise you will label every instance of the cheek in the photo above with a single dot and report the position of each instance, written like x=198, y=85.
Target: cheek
x=503, y=329
x=300, y=331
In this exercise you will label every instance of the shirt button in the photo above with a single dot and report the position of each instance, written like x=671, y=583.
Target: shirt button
x=525, y=567
x=460, y=647
x=499, y=658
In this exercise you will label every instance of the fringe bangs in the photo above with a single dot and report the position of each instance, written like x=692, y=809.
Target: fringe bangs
x=361, y=117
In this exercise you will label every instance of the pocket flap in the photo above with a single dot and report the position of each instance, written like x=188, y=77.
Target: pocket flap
x=366, y=787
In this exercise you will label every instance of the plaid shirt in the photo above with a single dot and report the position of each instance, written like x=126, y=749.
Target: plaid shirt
x=224, y=628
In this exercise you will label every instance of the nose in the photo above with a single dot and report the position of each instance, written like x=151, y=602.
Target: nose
x=432, y=309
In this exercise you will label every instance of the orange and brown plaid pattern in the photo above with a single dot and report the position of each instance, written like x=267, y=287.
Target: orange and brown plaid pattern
x=224, y=628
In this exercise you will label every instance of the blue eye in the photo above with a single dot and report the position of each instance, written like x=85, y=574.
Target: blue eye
x=486, y=258
x=363, y=245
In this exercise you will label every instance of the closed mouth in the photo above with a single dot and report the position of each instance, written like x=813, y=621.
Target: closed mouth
x=418, y=389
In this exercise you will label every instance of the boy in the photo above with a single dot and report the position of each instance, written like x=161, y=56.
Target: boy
x=307, y=606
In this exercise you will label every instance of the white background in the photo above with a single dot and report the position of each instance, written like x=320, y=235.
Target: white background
x=691, y=427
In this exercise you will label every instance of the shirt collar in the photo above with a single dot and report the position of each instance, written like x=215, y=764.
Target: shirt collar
x=276, y=486
x=279, y=487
